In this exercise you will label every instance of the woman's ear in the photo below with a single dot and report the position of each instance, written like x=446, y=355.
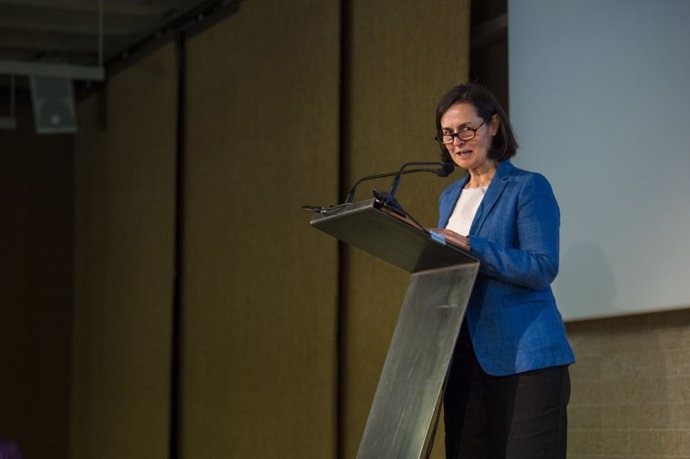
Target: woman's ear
x=495, y=123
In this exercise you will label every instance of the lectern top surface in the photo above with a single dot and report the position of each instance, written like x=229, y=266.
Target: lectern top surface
x=373, y=228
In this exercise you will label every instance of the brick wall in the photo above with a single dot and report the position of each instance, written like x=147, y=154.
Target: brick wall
x=631, y=387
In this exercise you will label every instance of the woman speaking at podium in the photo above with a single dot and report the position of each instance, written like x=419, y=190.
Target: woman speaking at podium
x=508, y=386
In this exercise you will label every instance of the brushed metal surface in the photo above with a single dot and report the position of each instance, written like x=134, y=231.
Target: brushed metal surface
x=403, y=414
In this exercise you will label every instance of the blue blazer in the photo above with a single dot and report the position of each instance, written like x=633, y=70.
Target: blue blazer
x=512, y=318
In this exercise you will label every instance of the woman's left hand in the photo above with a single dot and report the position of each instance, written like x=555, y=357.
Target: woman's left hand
x=454, y=238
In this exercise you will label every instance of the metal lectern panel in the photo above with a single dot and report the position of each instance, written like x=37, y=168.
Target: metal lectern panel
x=402, y=418
x=404, y=410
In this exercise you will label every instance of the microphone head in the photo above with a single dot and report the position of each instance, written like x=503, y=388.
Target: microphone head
x=447, y=169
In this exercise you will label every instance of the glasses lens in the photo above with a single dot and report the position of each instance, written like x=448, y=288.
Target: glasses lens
x=464, y=135
x=467, y=134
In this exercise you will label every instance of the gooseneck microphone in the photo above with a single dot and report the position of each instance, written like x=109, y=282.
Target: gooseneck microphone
x=389, y=200
x=445, y=169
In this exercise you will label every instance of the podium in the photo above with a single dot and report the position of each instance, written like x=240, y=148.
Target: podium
x=403, y=416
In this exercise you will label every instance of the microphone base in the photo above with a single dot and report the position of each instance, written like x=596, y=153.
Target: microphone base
x=390, y=202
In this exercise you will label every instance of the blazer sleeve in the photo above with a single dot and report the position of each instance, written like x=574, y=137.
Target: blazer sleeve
x=534, y=262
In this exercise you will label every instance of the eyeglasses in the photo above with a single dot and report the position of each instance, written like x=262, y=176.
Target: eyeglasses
x=465, y=134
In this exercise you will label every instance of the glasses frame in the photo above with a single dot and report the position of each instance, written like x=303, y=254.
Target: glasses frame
x=453, y=135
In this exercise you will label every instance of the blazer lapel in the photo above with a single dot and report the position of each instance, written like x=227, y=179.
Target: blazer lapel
x=494, y=191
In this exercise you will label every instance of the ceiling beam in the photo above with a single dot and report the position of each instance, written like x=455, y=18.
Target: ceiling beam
x=56, y=20
x=74, y=72
x=125, y=8
x=17, y=41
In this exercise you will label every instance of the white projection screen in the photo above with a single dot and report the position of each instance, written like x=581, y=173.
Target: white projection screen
x=600, y=102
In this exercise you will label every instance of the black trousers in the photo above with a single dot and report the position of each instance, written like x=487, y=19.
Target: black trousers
x=512, y=417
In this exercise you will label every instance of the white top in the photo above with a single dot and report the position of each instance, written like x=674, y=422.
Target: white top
x=465, y=209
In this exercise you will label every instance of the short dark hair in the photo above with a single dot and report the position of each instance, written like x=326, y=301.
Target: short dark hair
x=503, y=146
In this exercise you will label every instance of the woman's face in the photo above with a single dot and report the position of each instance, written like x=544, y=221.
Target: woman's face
x=470, y=154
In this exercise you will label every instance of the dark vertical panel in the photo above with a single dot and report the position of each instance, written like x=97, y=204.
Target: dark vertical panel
x=36, y=274
x=343, y=188
x=178, y=258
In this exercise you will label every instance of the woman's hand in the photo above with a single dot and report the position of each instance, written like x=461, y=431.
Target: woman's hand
x=454, y=238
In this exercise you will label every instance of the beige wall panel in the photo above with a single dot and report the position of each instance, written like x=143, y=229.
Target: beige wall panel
x=630, y=386
x=402, y=57
x=125, y=183
x=260, y=285
x=36, y=174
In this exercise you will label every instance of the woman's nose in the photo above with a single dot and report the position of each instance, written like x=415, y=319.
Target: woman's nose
x=458, y=141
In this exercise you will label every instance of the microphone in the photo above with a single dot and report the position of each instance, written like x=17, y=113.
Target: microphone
x=445, y=170
x=388, y=199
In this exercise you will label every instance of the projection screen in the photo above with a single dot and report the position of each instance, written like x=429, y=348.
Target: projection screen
x=599, y=98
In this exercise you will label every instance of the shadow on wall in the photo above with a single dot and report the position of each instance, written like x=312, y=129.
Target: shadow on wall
x=586, y=281
x=630, y=381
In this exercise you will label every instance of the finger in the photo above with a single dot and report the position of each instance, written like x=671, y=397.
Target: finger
x=452, y=233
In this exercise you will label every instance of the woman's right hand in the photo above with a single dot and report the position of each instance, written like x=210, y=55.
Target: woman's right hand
x=454, y=238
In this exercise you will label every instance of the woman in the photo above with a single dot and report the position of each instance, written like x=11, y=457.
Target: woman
x=508, y=386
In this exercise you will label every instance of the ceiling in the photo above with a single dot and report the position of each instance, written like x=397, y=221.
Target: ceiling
x=67, y=31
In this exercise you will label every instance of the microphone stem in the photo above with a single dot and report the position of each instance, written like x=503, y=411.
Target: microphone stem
x=396, y=180
x=351, y=194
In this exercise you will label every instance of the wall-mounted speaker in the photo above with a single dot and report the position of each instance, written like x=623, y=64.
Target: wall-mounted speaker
x=53, y=103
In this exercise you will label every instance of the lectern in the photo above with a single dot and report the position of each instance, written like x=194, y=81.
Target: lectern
x=404, y=412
